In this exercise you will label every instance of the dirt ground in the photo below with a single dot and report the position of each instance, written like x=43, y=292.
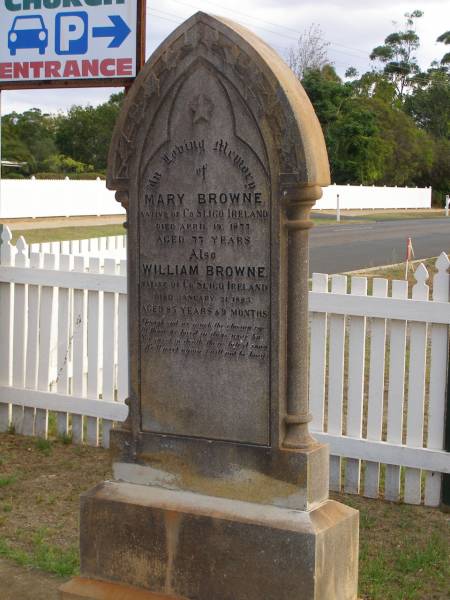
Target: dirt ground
x=404, y=552
x=19, y=583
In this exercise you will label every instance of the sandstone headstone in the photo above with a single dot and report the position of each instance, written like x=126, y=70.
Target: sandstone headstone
x=220, y=493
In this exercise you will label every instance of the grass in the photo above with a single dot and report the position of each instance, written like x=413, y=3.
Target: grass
x=43, y=445
x=332, y=221
x=392, y=272
x=355, y=216
x=56, y=234
x=43, y=556
x=7, y=480
x=403, y=215
x=403, y=549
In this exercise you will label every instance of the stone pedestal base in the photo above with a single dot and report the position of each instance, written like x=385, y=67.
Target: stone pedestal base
x=196, y=547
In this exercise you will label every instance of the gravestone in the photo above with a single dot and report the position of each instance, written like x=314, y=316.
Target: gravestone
x=219, y=491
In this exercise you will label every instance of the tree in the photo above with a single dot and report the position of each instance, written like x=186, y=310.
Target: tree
x=429, y=104
x=28, y=137
x=311, y=52
x=85, y=133
x=408, y=151
x=445, y=39
x=397, y=54
x=355, y=148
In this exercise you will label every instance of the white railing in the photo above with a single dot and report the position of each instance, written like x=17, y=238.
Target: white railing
x=377, y=375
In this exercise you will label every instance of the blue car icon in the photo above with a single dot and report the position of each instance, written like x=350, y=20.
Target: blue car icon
x=28, y=32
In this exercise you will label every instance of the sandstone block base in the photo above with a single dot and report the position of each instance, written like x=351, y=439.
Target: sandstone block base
x=198, y=547
x=81, y=588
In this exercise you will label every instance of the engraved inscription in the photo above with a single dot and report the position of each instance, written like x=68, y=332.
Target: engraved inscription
x=204, y=273
x=234, y=291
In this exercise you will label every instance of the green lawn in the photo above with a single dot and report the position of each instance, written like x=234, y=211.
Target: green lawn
x=329, y=217
x=34, y=236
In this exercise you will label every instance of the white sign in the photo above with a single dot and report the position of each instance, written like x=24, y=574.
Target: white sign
x=54, y=40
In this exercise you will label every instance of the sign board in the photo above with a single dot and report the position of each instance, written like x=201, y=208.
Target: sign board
x=73, y=43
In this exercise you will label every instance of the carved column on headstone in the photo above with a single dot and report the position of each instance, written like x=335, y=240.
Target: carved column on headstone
x=298, y=201
x=132, y=422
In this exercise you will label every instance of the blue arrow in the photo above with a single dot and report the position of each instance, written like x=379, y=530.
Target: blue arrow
x=119, y=32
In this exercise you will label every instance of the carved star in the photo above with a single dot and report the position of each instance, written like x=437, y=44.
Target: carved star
x=201, y=109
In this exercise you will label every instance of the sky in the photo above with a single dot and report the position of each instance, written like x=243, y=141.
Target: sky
x=352, y=28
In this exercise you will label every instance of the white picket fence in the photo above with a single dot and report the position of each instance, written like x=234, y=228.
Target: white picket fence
x=112, y=246
x=377, y=375
x=63, y=343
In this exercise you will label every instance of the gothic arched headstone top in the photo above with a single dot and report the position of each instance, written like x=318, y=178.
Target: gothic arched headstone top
x=244, y=64
x=218, y=157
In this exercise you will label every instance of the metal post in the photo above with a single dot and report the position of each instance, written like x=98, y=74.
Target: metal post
x=447, y=202
x=338, y=209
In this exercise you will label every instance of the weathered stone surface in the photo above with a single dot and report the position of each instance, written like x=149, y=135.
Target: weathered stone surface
x=204, y=548
x=280, y=477
x=218, y=157
x=222, y=494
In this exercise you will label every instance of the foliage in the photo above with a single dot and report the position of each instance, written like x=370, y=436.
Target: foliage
x=350, y=128
x=58, y=163
x=429, y=105
x=75, y=143
x=397, y=54
x=388, y=126
x=84, y=134
x=90, y=175
x=28, y=137
x=445, y=39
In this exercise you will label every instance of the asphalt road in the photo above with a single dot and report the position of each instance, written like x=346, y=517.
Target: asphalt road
x=348, y=247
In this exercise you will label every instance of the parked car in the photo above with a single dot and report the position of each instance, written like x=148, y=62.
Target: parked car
x=28, y=32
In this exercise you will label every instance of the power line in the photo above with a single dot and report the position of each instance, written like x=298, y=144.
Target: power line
x=354, y=56
x=253, y=17
x=178, y=19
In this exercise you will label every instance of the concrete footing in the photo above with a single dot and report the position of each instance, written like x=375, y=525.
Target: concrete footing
x=197, y=547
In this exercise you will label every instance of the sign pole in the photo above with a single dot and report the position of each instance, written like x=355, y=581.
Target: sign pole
x=1, y=226
x=338, y=209
x=447, y=203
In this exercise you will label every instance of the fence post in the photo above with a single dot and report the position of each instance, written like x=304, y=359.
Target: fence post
x=446, y=476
